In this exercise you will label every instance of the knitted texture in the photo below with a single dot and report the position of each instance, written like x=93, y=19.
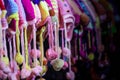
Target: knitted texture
x=11, y=7
x=21, y=12
x=36, y=1
x=2, y=7
x=29, y=11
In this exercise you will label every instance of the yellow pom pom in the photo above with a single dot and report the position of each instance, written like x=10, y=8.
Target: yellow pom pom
x=44, y=70
x=5, y=60
x=19, y=58
x=91, y=56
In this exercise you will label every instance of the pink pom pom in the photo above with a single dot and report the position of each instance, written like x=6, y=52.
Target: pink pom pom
x=51, y=54
x=33, y=54
x=4, y=68
x=70, y=75
x=83, y=54
x=12, y=76
x=66, y=52
x=2, y=65
x=25, y=73
x=3, y=75
x=7, y=69
x=2, y=52
x=37, y=70
x=65, y=65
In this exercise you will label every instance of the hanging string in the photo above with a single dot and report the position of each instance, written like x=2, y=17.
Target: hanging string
x=69, y=45
x=50, y=33
x=11, y=57
x=4, y=38
x=65, y=34
x=34, y=42
x=89, y=39
x=14, y=51
x=56, y=39
x=1, y=41
x=41, y=45
x=22, y=41
x=26, y=43
x=17, y=36
x=62, y=39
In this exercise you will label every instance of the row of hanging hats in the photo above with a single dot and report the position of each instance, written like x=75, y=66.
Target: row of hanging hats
x=25, y=24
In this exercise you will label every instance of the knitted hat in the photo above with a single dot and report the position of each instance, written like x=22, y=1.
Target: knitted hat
x=44, y=10
x=2, y=7
x=67, y=18
x=3, y=19
x=98, y=7
x=90, y=9
x=51, y=10
x=1, y=46
x=0, y=13
x=36, y=1
x=29, y=11
x=77, y=12
x=108, y=9
x=11, y=7
x=21, y=12
x=55, y=6
x=55, y=11
x=49, y=3
x=85, y=9
x=36, y=12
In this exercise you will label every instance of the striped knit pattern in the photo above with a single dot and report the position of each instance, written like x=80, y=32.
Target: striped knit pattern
x=55, y=6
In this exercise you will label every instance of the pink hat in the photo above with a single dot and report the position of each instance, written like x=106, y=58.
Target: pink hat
x=51, y=54
x=29, y=11
x=49, y=3
x=37, y=13
x=76, y=10
x=67, y=18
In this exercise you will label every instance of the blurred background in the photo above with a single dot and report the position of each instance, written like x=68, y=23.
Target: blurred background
x=98, y=69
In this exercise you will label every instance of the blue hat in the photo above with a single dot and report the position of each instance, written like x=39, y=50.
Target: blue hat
x=11, y=7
